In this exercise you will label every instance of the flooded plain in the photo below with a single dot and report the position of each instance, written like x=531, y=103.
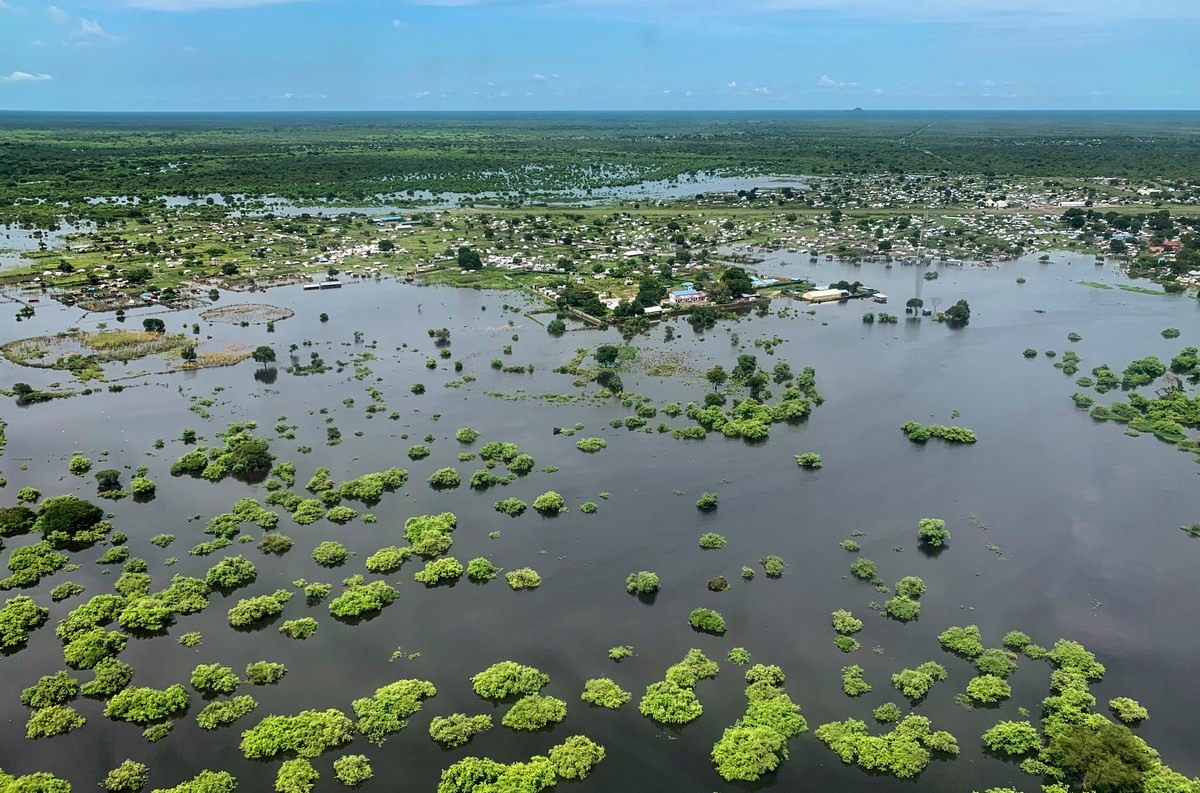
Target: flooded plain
x=1084, y=517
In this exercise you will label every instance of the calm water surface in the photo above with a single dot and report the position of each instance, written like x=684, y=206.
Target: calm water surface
x=1085, y=518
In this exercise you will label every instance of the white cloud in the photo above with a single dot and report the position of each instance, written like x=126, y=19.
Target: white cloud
x=24, y=77
x=396, y=23
x=975, y=13
x=37, y=43
x=877, y=92
x=90, y=27
x=58, y=15
x=537, y=78
x=731, y=84
x=826, y=81
x=3, y=5
x=201, y=5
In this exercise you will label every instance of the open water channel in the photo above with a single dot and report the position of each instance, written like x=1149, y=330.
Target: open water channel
x=1086, y=519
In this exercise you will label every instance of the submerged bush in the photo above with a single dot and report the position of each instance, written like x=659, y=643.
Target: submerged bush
x=711, y=540
x=667, y=703
x=456, y=729
x=966, y=641
x=445, y=569
x=707, y=502
x=809, y=460
x=534, y=712
x=604, y=693
x=932, y=532
x=845, y=623
x=916, y=683
x=308, y=734
x=707, y=620
x=1013, y=738
x=508, y=678
x=523, y=578
x=383, y=713
x=642, y=583
x=363, y=599
x=550, y=503
x=772, y=565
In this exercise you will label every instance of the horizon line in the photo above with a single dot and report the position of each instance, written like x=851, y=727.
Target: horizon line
x=677, y=111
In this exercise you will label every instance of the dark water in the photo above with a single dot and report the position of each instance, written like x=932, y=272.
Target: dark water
x=1085, y=516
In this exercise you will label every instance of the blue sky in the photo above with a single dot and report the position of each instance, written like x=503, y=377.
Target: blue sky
x=598, y=54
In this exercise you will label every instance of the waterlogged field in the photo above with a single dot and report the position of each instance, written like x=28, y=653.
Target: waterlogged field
x=1060, y=526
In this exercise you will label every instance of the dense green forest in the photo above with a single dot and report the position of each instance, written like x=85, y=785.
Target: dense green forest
x=354, y=157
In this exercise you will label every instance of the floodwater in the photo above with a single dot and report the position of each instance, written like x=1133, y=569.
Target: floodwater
x=1085, y=517
x=683, y=186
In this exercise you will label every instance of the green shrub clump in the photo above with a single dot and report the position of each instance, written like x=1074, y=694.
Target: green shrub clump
x=299, y=629
x=810, y=460
x=550, y=503
x=214, y=679
x=1013, y=738
x=128, y=777
x=852, y=681
x=772, y=565
x=508, y=678
x=1128, y=710
x=263, y=673
x=352, y=769
x=456, y=729
x=251, y=610
x=511, y=506
x=224, y=712
x=604, y=693
x=147, y=705
x=445, y=569
x=642, y=583
x=707, y=620
x=916, y=683
x=711, y=540
x=523, y=578
x=707, y=502
x=988, y=689
x=534, y=712
x=590, y=445
x=445, y=479
x=904, y=752
x=388, y=560
x=308, y=734
x=480, y=569
x=846, y=623
x=363, y=599
x=966, y=642
x=932, y=532
x=756, y=744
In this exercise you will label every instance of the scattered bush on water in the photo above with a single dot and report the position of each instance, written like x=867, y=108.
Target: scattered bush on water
x=523, y=578
x=904, y=752
x=384, y=713
x=707, y=620
x=439, y=570
x=457, y=729
x=363, y=599
x=756, y=744
x=604, y=693
x=225, y=712
x=308, y=734
x=1013, y=738
x=642, y=583
x=534, y=712
x=214, y=679
x=966, y=641
x=916, y=683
